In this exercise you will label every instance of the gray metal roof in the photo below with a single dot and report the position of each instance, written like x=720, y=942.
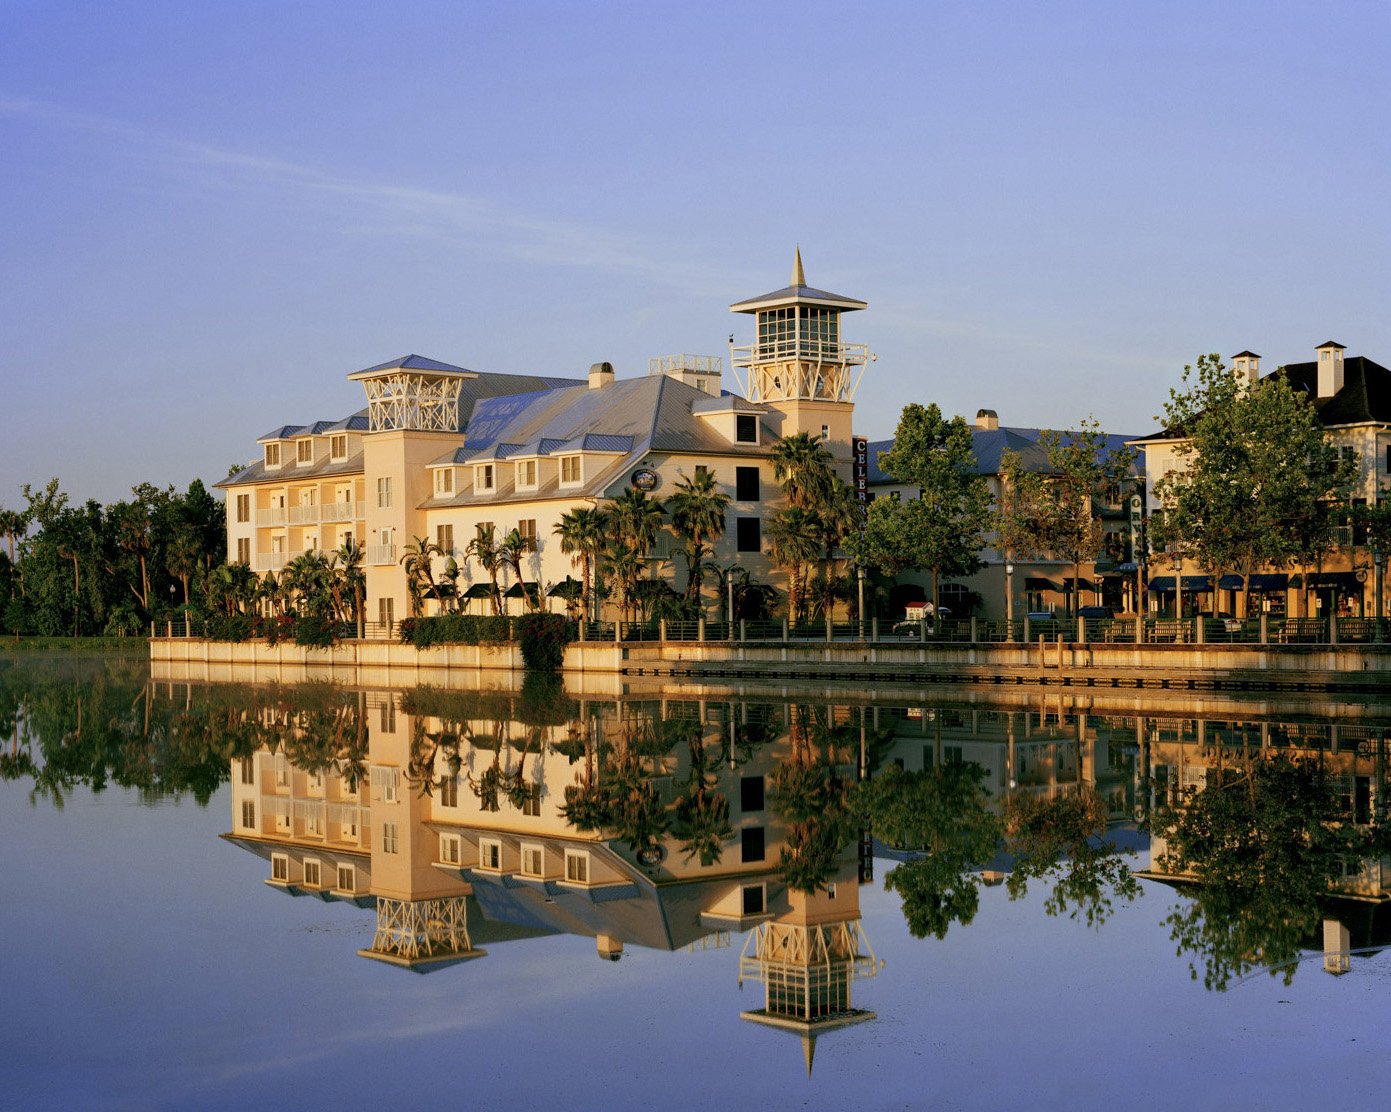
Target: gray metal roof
x=990, y=445
x=793, y=294
x=284, y=432
x=415, y=363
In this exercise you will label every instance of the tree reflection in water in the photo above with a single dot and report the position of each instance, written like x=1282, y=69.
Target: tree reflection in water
x=1261, y=844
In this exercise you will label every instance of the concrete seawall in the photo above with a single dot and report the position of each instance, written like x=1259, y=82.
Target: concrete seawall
x=1082, y=664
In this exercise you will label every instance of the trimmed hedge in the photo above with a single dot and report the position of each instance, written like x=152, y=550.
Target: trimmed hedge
x=455, y=629
x=542, y=637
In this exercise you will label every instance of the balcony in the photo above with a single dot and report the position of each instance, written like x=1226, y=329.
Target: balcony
x=342, y=511
x=381, y=554
x=304, y=515
x=275, y=515
x=270, y=561
x=805, y=350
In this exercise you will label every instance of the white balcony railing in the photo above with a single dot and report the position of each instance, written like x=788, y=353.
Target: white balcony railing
x=804, y=350
x=342, y=511
x=273, y=516
x=304, y=515
x=381, y=554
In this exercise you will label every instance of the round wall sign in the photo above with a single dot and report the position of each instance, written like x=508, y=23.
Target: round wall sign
x=645, y=479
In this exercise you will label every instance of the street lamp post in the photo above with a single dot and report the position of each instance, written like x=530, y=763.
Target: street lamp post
x=1009, y=598
x=1376, y=603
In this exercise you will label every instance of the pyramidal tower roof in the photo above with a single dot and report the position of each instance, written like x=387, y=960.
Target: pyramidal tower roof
x=798, y=293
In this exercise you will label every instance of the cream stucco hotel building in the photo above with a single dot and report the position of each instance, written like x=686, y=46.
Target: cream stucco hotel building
x=440, y=450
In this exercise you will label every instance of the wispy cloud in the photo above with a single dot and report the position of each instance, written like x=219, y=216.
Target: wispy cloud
x=386, y=207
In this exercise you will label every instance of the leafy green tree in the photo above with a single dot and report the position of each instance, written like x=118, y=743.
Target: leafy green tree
x=943, y=812
x=1056, y=513
x=943, y=530
x=1063, y=839
x=1263, y=842
x=1259, y=480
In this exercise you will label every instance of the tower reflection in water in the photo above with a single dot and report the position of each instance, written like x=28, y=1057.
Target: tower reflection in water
x=467, y=819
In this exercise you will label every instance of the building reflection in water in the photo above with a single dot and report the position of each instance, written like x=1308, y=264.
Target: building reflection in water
x=472, y=819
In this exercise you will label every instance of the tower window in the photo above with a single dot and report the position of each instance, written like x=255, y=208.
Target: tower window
x=746, y=428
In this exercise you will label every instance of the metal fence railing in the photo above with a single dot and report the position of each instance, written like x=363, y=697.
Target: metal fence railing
x=1155, y=631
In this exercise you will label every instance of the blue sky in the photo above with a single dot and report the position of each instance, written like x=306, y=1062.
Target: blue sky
x=210, y=214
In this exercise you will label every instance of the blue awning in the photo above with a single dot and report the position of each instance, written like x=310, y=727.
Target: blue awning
x=1269, y=581
x=1230, y=583
x=1164, y=584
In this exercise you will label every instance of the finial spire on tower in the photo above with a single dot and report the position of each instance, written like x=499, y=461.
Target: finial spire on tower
x=798, y=278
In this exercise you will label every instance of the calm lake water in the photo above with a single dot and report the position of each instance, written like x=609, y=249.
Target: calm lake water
x=194, y=877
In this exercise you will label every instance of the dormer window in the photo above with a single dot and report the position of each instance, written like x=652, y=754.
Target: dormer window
x=483, y=477
x=272, y=455
x=338, y=446
x=569, y=470
x=745, y=428
x=526, y=474
x=444, y=480
x=304, y=451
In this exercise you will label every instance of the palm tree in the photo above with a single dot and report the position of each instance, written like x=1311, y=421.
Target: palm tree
x=839, y=515
x=794, y=541
x=349, y=581
x=582, y=532
x=513, y=548
x=13, y=524
x=420, y=579
x=697, y=517
x=803, y=466
x=637, y=519
x=485, y=550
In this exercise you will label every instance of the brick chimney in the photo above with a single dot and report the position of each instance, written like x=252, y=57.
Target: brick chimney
x=1330, y=358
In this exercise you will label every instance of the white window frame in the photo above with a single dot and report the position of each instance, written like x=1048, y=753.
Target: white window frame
x=244, y=550
x=386, y=780
x=248, y=814
x=391, y=838
x=526, y=473
x=304, y=451
x=485, y=471
x=485, y=845
x=338, y=874
x=280, y=868
x=243, y=504
x=451, y=849
x=383, y=492
x=574, y=464
x=444, y=531
x=580, y=858
x=530, y=849
x=272, y=456
x=449, y=792
x=312, y=865
x=338, y=446
x=444, y=480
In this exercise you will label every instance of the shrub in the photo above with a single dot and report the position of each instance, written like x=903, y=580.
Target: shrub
x=543, y=639
x=315, y=631
x=230, y=627
x=455, y=629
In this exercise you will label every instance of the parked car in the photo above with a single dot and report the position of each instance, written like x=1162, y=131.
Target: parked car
x=1042, y=615
x=1092, y=613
